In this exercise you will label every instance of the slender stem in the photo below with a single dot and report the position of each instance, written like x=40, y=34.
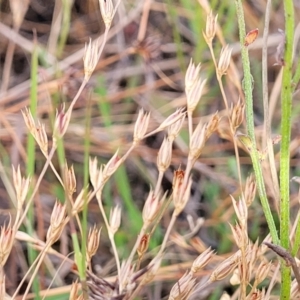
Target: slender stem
x=286, y=107
x=247, y=87
x=232, y=131
x=267, y=140
x=167, y=234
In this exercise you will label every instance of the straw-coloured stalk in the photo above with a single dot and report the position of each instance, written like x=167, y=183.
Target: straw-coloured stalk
x=211, y=28
x=240, y=235
x=224, y=61
x=257, y=295
x=74, y=292
x=183, y=288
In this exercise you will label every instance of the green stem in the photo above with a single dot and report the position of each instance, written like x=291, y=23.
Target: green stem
x=286, y=107
x=247, y=87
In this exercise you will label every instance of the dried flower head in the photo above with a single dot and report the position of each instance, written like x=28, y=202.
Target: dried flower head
x=211, y=28
x=226, y=267
x=69, y=180
x=224, y=61
x=141, y=126
x=90, y=58
x=181, y=193
x=241, y=210
x=164, y=155
x=61, y=123
x=250, y=190
x=173, y=118
x=152, y=207
x=57, y=222
x=37, y=130
x=6, y=242
x=93, y=242
x=115, y=219
x=21, y=185
x=174, y=129
x=251, y=37
x=194, y=94
x=143, y=245
x=191, y=76
x=202, y=260
x=107, y=11
x=183, y=288
x=237, y=114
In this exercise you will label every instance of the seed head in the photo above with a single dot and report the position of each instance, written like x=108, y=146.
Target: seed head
x=61, y=123
x=191, y=76
x=224, y=61
x=237, y=114
x=38, y=131
x=115, y=219
x=194, y=94
x=181, y=193
x=21, y=185
x=262, y=271
x=57, y=222
x=164, y=155
x=250, y=190
x=211, y=28
x=226, y=267
x=107, y=11
x=93, y=242
x=90, y=58
x=173, y=129
x=202, y=260
x=241, y=210
x=183, y=288
x=141, y=126
x=6, y=242
x=152, y=207
x=173, y=118
x=70, y=180
x=143, y=245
